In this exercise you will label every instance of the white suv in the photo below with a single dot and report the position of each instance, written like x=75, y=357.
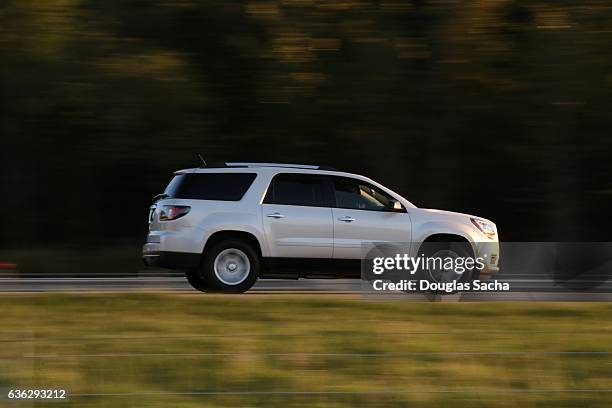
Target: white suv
x=227, y=226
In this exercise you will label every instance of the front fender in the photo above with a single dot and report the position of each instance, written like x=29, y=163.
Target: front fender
x=481, y=246
x=427, y=229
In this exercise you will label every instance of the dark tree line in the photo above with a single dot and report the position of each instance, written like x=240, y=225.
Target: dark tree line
x=502, y=109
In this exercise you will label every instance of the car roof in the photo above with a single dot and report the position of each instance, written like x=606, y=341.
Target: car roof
x=228, y=165
x=275, y=168
x=266, y=169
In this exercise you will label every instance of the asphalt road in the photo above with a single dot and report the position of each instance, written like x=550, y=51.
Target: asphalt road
x=543, y=289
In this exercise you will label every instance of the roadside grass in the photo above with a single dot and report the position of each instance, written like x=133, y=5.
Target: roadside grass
x=168, y=350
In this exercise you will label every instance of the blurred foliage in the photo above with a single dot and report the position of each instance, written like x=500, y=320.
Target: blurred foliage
x=500, y=108
x=287, y=351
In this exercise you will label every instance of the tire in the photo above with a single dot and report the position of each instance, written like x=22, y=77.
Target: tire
x=442, y=250
x=195, y=279
x=230, y=266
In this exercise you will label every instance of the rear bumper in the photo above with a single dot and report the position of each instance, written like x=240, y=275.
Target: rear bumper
x=171, y=260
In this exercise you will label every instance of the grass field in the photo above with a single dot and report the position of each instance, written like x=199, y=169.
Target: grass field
x=164, y=350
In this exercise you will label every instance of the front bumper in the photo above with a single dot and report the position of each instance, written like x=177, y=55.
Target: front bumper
x=489, y=270
x=489, y=251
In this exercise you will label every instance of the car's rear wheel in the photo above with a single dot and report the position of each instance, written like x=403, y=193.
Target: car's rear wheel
x=194, y=277
x=230, y=266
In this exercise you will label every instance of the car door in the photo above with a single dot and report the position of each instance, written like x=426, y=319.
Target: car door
x=362, y=214
x=297, y=217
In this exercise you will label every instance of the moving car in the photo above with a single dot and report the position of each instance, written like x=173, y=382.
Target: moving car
x=229, y=225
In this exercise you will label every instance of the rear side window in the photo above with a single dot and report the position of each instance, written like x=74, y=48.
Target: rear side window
x=296, y=189
x=210, y=186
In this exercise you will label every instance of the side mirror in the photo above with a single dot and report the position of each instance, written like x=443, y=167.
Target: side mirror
x=395, y=205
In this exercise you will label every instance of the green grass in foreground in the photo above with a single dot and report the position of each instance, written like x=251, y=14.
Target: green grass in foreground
x=157, y=350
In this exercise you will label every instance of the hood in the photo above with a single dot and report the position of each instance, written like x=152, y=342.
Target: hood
x=451, y=214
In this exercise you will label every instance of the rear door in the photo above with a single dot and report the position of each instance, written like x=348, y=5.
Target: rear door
x=297, y=216
x=362, y=214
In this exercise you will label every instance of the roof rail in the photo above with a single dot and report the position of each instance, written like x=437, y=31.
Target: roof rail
x=283, y=165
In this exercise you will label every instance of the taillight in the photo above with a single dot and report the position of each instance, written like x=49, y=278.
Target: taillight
x=151, y=212
x=172, y=212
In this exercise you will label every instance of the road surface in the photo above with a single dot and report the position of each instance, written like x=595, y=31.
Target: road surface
x=523, y=289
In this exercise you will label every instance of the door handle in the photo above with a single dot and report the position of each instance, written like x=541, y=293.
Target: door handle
x=275, y=215
x=346, y=219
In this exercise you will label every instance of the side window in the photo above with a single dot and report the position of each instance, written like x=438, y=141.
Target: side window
x=296, y=189
x=210, y=186
x=358, y=195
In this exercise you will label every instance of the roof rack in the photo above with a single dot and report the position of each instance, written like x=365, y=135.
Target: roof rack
x=283, y=165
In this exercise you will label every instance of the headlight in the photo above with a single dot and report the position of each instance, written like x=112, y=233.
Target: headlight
x=484, y=226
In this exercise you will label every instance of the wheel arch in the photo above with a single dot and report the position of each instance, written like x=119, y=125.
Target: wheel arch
x=222, y=235
x=448, y=237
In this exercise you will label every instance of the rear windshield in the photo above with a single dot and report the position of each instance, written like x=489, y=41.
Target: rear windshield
x=210, y=186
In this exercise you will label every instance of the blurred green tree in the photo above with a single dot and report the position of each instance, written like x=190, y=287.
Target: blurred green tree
x=496, y=108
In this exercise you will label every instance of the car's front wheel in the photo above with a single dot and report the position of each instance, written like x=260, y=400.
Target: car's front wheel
x=443, y=254
x=230, y=266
